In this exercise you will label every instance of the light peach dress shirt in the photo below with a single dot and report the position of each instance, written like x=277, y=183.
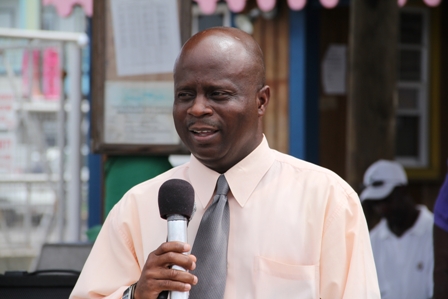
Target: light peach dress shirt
x=296, y=231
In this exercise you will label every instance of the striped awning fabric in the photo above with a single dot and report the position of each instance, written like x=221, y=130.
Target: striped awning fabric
x=209, y=6
x=64, y=7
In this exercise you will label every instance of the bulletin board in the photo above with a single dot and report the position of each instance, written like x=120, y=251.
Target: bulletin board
x=131, y=106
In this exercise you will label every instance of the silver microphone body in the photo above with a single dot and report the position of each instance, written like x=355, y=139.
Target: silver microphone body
x=177, y=231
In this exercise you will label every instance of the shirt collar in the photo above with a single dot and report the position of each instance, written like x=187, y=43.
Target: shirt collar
x=242, y=178
x=384, y=229
x=419, y=227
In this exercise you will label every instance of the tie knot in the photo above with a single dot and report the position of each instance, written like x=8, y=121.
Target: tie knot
x=222, y=186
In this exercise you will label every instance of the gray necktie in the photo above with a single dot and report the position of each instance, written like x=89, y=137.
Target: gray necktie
x=210, y=247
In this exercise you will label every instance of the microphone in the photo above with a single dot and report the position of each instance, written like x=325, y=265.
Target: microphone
x=176, y=204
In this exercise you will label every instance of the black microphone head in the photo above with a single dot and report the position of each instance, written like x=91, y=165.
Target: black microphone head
x=176, y=197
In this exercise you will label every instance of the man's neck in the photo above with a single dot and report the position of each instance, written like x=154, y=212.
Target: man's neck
x=399, y=225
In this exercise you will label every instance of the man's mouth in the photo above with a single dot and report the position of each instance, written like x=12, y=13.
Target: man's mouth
x=203, y=132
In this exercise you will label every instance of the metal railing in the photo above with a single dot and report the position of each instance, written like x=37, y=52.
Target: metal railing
x=46, y=195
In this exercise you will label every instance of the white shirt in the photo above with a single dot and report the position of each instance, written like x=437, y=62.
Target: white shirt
x=297, y=231
x=405, y=264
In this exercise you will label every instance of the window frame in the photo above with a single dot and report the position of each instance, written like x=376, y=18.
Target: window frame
x=423, y=85
x=431, y=169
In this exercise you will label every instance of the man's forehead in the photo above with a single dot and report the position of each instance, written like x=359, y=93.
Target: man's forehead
x=228, y=50
x=215, y=41
x=215, y=50
x=222, y=32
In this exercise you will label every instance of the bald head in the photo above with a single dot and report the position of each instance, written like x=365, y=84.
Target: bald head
x=220, y=96
x=229, y=44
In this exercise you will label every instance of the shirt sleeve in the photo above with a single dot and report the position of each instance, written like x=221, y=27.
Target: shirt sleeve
x=347, y=267
x=112, y=265
x=441, y=207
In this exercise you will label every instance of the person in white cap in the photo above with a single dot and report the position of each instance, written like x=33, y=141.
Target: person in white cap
x=402, y=240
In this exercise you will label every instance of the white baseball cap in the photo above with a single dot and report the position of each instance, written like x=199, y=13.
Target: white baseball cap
x=381, y=178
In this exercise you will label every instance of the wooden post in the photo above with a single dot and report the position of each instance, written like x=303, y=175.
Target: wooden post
x=372, y=85
x=185, y=18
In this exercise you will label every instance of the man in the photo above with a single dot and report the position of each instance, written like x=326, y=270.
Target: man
x=441, y=242
x=402, y=240
x=296, y=230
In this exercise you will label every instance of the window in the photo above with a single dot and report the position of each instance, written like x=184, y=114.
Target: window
x=412, y=130
x=201, y=21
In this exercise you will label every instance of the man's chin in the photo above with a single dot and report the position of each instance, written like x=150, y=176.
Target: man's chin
x=206, y=155
x=210, y=158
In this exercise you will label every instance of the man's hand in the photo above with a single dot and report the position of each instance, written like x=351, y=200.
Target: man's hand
x=157, y=275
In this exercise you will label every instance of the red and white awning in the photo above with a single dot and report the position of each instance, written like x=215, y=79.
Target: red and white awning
x=209, y=6
x=431, y=3
x=64, y=7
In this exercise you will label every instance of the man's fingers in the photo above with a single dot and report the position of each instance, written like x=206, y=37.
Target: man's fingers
x=166, y=279
x=170, y=259
x=172, y=253
x=174, y=286
x=172, y=247
x=168, y=276
x=159, y=275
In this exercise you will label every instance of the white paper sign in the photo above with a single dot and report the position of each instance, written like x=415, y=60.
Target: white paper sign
x=334, y=70
x=146, y=34
x=139, y=113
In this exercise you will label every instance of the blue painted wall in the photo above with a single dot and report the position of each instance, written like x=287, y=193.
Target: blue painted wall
x=304, y=83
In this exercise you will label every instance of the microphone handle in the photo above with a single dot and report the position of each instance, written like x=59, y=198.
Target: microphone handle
x=177, y=231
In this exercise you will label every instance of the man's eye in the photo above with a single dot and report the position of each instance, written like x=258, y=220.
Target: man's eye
x=219, y=94
x=184, y=95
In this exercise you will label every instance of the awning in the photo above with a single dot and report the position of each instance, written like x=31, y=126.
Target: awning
x=209, y=6
x=64, y=7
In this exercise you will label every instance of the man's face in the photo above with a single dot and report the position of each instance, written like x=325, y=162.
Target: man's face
x=391, y=207
x=217, y=104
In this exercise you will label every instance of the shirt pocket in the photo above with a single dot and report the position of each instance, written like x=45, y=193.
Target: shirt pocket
x=273, y=279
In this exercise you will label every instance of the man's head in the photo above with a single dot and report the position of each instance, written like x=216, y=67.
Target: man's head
x=220, y=96
x=385, y=190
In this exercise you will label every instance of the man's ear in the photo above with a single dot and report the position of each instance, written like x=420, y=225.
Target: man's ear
x=264, y=94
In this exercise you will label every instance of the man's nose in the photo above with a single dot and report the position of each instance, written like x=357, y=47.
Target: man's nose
x=200, y=106
x=380, y=208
